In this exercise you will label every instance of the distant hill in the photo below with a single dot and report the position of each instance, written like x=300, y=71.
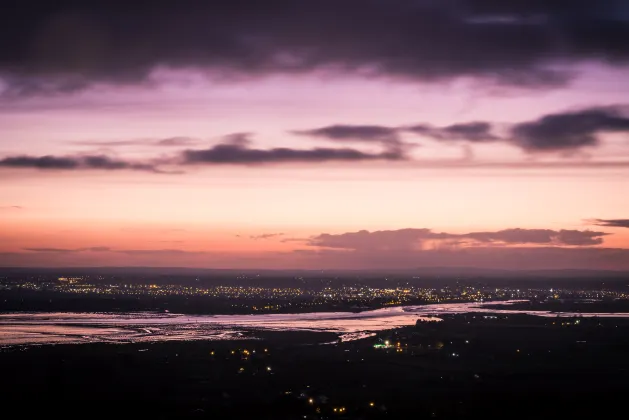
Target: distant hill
x=420, y=272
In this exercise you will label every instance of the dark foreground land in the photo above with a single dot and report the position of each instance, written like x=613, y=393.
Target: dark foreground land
x=469, y=366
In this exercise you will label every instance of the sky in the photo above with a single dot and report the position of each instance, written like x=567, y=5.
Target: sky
x=362, y=134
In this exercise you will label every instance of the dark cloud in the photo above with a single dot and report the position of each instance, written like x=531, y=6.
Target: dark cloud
x=477, y=131
x=49, y=162
x=352, y=133
x=104, y=162
x=621, y=223
x=416, y=239
x=560, y=132
x=266, y=236
x=237, y=151
x=569, y=130
x=41, y=162
x=510, y=258
x=64, y=45
x=11, y=207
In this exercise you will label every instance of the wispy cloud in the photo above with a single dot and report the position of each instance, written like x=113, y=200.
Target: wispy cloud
x=414, y=239
x=344, y=133
x=619, y=223
x=237, y=151
x=79, y=162
x=70, y=250
x=507, y=257
x=476, y=132
x=166, y=142
x=266, y=236
x=562, y=133
x=557, y=132
x=161, y=251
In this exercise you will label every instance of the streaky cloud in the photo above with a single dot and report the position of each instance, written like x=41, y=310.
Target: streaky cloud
x=477, y=131
x=177, y=141
x=415, y=239
x=238, y=151
x=81, y=162
x=167, y=142
x=266, y=236
x=619, y=223
x=560, y=132
x=347, y=132
x=506, y=257
x=70, y=250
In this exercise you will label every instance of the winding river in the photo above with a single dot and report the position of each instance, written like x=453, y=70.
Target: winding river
x=51, y=328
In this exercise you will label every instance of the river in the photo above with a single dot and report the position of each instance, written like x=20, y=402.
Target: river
x=64, y=327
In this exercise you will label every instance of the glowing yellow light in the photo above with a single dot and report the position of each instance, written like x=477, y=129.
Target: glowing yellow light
x=371, y=404
x=386, y=343
x=311, y=401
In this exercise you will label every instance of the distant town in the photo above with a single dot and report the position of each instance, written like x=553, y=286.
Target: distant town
x=252, y=294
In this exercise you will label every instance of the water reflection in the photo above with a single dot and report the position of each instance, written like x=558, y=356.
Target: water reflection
x=39, y=328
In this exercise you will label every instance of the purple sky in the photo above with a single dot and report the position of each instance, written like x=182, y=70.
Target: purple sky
x=300, y=134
